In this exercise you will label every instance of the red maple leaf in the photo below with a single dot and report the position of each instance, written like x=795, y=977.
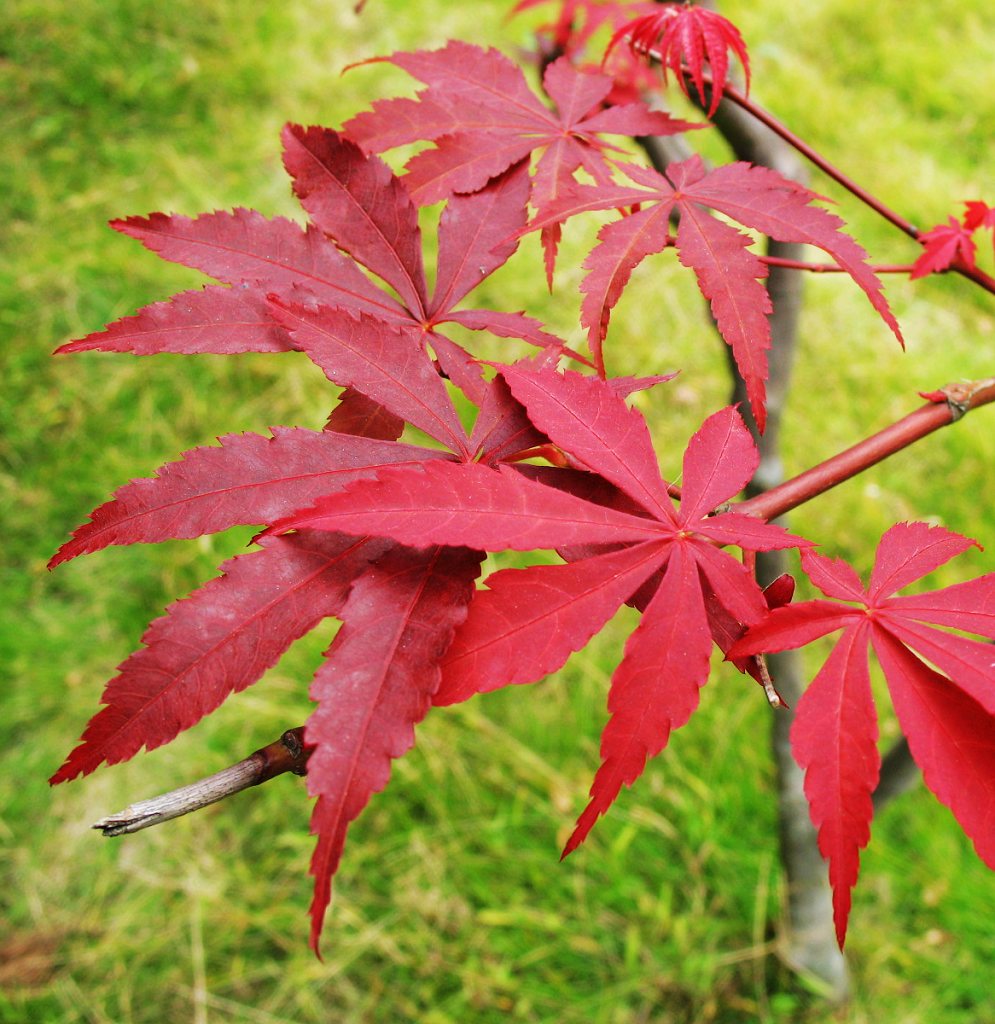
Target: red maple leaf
x=495, y=121
x=528, y=621
x=484, y=118
x=729, y=274
x=978, y=214
x=685, y=38
x=943, y=246
x=947, y=715
x=358, y=209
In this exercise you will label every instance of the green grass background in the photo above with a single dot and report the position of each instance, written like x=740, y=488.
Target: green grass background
x=450, y=905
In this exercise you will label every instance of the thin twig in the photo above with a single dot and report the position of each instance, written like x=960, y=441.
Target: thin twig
x=765, y=117
x=287, y=754
x=834, y=268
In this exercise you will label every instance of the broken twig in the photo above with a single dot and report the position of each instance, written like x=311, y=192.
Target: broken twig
x=287, y=754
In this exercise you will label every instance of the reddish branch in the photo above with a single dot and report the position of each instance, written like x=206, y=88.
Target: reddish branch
x=947, y=405
x=833, y=268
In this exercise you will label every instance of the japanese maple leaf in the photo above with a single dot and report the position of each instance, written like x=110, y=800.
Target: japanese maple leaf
x=728, y=272
x=943, y=246
x=361, y=217
x=978, y=214
x=224, y=636
x=294, y=289
x=685, y=37
x=495, y=121
x=253, y=479
x=529, y=621
x=946, y=711
x=400, y=608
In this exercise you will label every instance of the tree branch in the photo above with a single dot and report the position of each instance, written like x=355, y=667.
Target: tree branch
x=899, y=774
x=287, y=754
x=945, y=406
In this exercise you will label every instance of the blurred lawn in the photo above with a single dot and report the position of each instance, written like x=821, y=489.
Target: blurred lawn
x=450, y=905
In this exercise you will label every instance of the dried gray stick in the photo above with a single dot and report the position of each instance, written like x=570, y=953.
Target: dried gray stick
x=287, y=754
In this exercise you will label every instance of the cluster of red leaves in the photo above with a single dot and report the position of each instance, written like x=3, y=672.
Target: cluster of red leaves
x=482, y=116
x=493, y=120
x=388, y=537
x=952, y=244
x=685, y=39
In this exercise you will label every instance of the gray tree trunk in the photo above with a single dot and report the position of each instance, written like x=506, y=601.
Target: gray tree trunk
x=808, y=940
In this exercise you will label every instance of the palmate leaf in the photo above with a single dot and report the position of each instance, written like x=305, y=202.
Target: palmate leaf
x=218, y=641
x=728, y=274
x=949, y=719
x=546, y=612
x=495, y=122
x=362, y=217
x=367, y=340
x=953, y=244
x=943, y=246
x=476, y=237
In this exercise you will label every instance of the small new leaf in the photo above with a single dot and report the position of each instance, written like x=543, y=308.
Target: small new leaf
x=687, y=38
